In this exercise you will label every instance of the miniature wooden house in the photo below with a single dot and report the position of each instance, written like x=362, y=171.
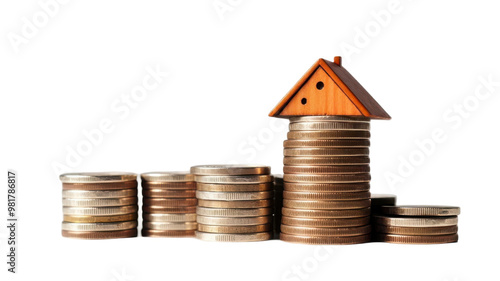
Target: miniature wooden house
x=327, y=88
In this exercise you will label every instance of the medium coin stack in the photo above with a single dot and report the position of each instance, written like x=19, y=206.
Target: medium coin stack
x=417, y=224
x=234, y=202
x=99, y=205
x=169, y=204
x=327, y=180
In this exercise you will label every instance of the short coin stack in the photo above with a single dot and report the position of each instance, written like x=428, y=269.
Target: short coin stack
x=99, y=205
x=327, y=180
x=234, y=202
x=169, y=204
x=417, y=224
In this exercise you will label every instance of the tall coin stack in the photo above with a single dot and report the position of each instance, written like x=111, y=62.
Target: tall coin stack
x=417, y=224
x=169, y=204
x=327, y=180
x=99, y=205
x=234, y=202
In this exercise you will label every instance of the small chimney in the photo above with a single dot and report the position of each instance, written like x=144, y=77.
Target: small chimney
x=337, y=60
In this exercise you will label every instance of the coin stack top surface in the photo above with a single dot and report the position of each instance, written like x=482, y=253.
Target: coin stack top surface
x=169, y=204
x=99, y=205
x=327, y=180
x=234, y=202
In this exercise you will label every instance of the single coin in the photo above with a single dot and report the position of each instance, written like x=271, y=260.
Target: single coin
x=169, y=193
x=416, y=222
x=100, y=186
x=230, y=170
x=225, y=237
x=379, y=200
x=253, y=179
x=306, y=213
x=327, y=187
x=235, y=204
x=218, y=212
x=233, y=196
x=294, y=195
x=326, y=160
x=101, y=226
x=234, y=229
x=97, y=177
x=233, y=221
x=325, y=151
x=169, y=217
x=315, y=222
x=325, y=240
x=324, y=118
x=440, y=230
x=235, y=187
x=100, y=234
x=417, y=239
x=163, y=210
x=327, y=135
x=318, y=170
x=325, y=126
x=326, y=231
x=421, y=211
x=168, y=185
x=99, y=202
x=326, y=204
x=356, y=178
x=190, y=225
x=343, y=143
x=97, y=219
x=176, y=176
x=89, y=194
x=167, y=233
x=99, y=211
x=169, y=203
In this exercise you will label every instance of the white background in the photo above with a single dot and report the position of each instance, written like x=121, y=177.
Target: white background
x=227, y=70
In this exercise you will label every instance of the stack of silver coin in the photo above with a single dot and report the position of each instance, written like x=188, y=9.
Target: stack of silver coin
x=234, y=202
x=169, y=204
x=99, y=205
x=327, y=181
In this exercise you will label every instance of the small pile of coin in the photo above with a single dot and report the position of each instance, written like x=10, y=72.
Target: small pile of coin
x=99, y=205
x=234, y=202
x=169, y=204
x=327, y=180
x=417, y=224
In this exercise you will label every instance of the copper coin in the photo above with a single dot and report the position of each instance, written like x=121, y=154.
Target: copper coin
x=327, y=143
x=440, y=230
x=169, y=193
x=234, y=187
x=416, y=221
x=326, y=161
x=160, y=210
x=327, y=187
x=417, y=239
x=325, y=151
x=307, y=213
x=327, y=135
x=167, y=233
x=325, y=231
x=169, y=217
x=321, y=222
x=94, y=219
x=420, y=211
x=169, y=203
x=318, y=170
x=168, y=185
x=356, y=178
x=100, y=234
x=234, y=221
x=234, y=229
x=219, y=212
x=230, y=170
x=100, y=186
x=295, y=195
x=235, y=204
x=326, y=204
x=190, y=225
x=325, y=240
x=233, y=237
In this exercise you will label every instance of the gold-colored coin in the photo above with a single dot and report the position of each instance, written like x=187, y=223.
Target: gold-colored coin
x=343, y=143
x=168, y=185
x=440, y=230
x=326, y=160
x=235, y=204
x=89, y=194
x=326, y=231
x=100, y=177
x=169, y=203
x=165, y=210
x=318, y=170
x=218, y=212
x=416, y=239
x=416, y=222
x=97, y=219
x=167, y=233
x=325, y=151
x=326, y=204
x=230, y=170
x=99, y=202
x=325, y=240
x=233, y=196
x=294, y=195
x=252, y=179
x=234, y=229
x=321, y=222
x=169, y=217
x=327, y=187
x=239, y=237
x=235, y=187
x=327, y=135
x=100, y=186
x=100, y=234
x=99, y=211
x=233, y=221
x=169, y=193
x=325, y=126
x=307, y=213
x=190, y=225
x=327, y=118
x=420, y=211
x=101, y=226
x=167, y=177
x=356, y=178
